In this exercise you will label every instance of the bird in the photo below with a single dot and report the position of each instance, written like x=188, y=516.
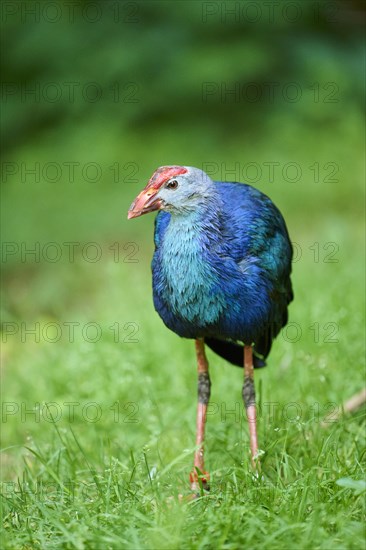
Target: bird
x=221, y=274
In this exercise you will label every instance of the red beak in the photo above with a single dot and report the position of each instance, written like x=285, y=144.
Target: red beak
x=145, y=202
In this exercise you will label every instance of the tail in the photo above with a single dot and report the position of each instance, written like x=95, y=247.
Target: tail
x=233, y=352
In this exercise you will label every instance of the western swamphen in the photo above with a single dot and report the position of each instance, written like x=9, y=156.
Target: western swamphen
x=221, y=275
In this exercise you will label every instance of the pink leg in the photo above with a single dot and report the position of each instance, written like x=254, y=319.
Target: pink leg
x=249, y=402
x=204, y=386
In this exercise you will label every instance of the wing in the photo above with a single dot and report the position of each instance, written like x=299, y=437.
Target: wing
x=256, y=232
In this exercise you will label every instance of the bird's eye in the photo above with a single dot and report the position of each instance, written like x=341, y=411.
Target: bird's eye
x=173, y=184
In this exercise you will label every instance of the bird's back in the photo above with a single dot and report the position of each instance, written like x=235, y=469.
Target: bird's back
x=257, y=232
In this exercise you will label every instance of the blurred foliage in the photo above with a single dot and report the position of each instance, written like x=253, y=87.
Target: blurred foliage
x=168, y=53
x=97, y=95
x=149, y=64
x=125, y=82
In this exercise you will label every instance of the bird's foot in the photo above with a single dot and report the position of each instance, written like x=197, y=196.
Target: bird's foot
x=256, y=460
x=199, y=481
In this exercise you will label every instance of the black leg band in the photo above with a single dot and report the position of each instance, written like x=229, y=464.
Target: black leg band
x=248, y=392
x=204, y=388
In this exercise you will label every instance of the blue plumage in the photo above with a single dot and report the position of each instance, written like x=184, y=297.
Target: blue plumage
x=222, y=261
x=222, y=270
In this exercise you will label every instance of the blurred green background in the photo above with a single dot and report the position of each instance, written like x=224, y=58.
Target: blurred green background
x=96, y=96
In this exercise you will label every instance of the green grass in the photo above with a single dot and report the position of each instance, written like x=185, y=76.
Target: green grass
x=108, y=475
